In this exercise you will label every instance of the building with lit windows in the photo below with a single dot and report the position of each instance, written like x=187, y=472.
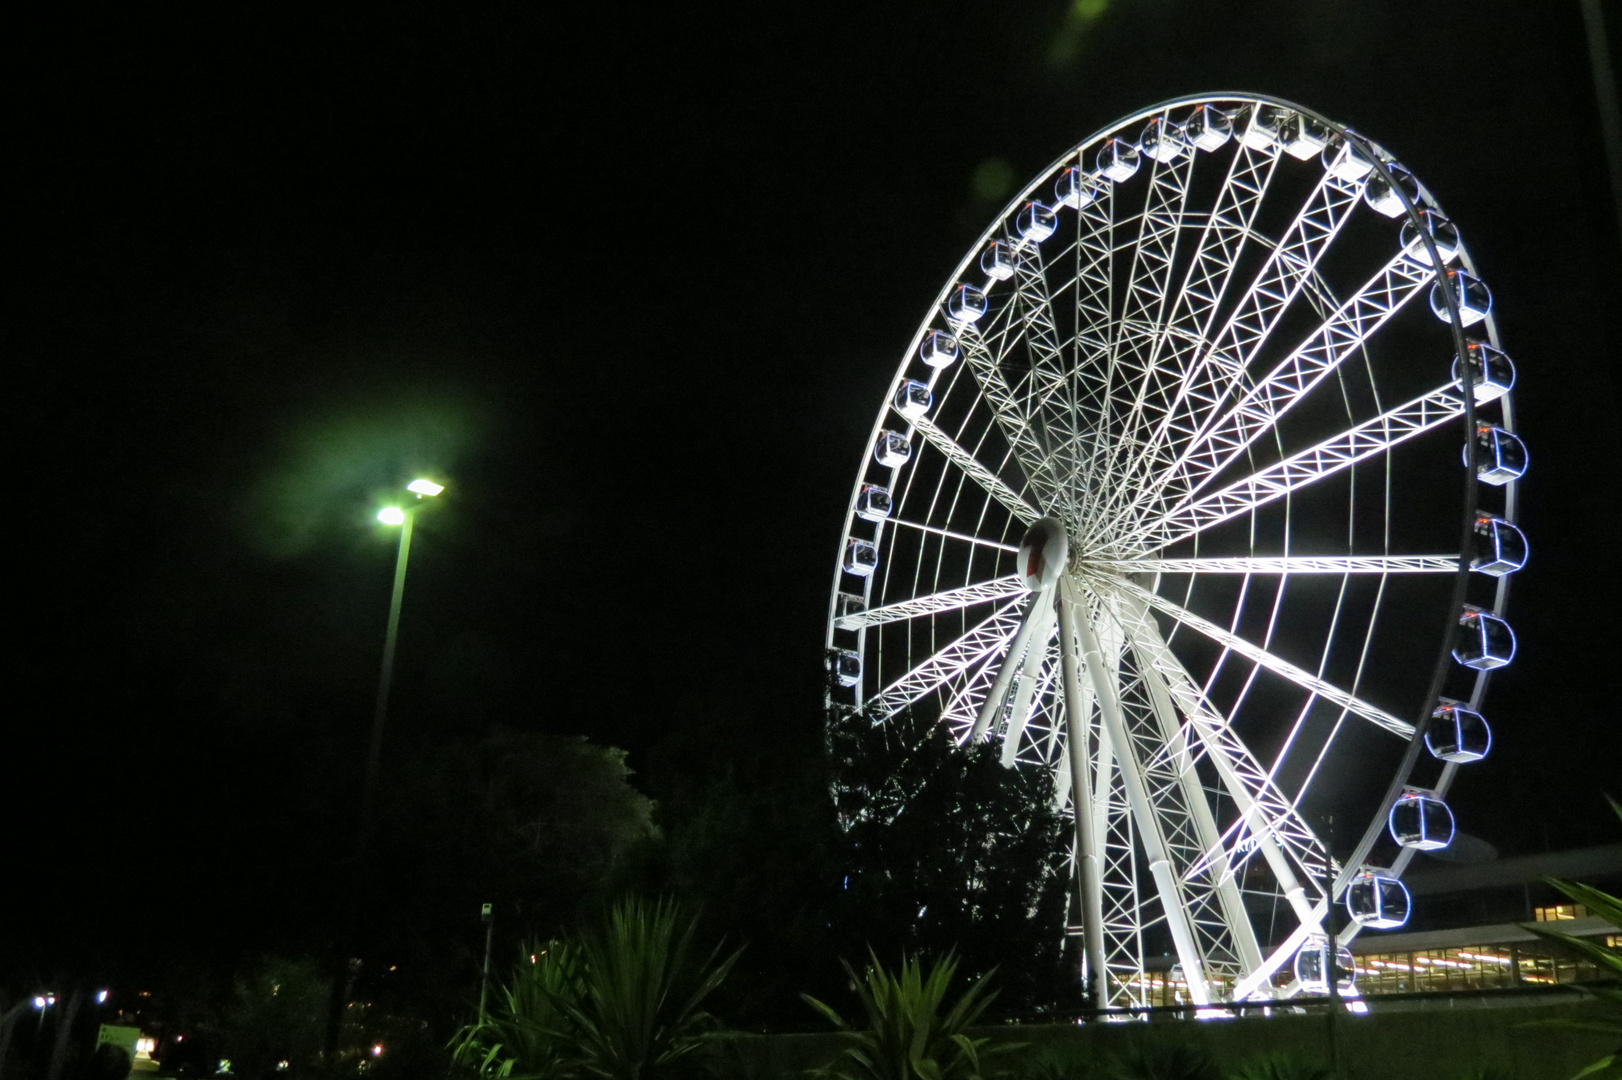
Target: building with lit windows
x=1467, y=931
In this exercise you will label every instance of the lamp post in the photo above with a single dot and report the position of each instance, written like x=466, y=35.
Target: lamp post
x=403, y=518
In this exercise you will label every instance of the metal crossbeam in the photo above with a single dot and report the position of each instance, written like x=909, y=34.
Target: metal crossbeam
x=950, y=599
x=1277, y=665
x=987, y=638
x=1339, y=336
x=1373, y=436
x=1286, y=564
x=971, y=467
x=1221, y=369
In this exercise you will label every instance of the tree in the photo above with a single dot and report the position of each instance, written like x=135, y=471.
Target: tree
x=943, y=847
x=538, y=824
x=277, y=1013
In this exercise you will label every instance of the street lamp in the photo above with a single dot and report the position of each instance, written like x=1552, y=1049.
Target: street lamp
x=389, y=515
x=403, y=518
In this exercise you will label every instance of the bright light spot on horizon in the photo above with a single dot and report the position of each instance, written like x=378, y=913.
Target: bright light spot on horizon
x=377, y=1050
x=391, y=515
x=425, y=487
x=101, y=997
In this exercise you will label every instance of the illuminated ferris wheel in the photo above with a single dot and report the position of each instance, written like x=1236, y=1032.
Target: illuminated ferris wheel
x=1167, y=497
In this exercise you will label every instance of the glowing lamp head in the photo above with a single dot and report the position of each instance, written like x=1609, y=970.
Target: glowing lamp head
x=421, y=487
x=391, y=515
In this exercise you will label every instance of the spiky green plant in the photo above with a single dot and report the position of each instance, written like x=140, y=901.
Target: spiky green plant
x=910, y=1033
x=527, y=1035
x=1281, y=1067
x=643, y=980
x=1609, y=959
x=1163, y=1057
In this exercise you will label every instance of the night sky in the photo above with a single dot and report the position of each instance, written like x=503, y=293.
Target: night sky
x=631, y=281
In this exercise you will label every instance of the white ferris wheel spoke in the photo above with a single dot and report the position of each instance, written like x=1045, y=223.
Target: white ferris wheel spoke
x=1010, y=418
x=1221, y=369
x=1272, y=820
x=1134, y=353
x=1367, y=439
x=946, y=600
x=974, y=470
x=967, y=538
x=987, y=638
x=1206, y=283
x=1276, y=664
x=1287, y=564
x=1337, y=338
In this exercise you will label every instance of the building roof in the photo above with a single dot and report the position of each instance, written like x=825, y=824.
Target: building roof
x=1580, y=864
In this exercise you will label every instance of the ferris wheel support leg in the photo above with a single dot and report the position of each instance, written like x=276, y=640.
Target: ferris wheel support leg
x=1034, y=614
x=1076, y=711
x=1174, y=681
x=1249, y=953
x=1137, y=793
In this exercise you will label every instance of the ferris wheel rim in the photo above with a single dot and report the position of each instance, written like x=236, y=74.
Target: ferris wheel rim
x=1425, y=200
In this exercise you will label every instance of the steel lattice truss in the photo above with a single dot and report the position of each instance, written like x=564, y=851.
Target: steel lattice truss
x=1192, y=368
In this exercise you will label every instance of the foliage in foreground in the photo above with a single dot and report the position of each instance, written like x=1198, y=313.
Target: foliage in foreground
x=908, y=1036
x=620, y=1000
x=1281, y=1067
x=1159, y=1056
x=1609, y=959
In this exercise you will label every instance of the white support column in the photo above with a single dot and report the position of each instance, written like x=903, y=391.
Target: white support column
x=1089, y=868
x=1219, y=870
x=1035, y=613
x=1019, y=713
x=1154, y=845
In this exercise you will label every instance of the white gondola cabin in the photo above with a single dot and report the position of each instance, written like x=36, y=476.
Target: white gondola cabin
x=1457, y=734
x=873, y=502
x=1303, y=137
x=1499, y=548
x=1075, y=189
x=1312, y=966
x=1344, y=160
x=1492, y=373
x=1259, y=127
x=1421, y=821
x=1118, y=160
x=1377, y=900
x=1209, y=128
x=1383, y=196
x=1500, y=456
x=912, y=399
x=1035, y=223
x=861, y=557
x=1471, y=294
x=1485, y=641
x=847, y=667
x=1163, y=140
x=892, y=449
x=965, y=305
x=938, y=349
x=997, y=262
x=1443, y=233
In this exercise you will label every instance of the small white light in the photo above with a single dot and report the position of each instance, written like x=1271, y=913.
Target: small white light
x=377, y=1050
x=39, y=1002
x=101, y=997
x=391, y=515
x=425, y=487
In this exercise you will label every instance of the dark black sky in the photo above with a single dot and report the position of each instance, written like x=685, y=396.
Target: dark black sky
x=631, y=279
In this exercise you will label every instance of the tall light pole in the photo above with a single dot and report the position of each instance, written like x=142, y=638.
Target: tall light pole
x=403, y=518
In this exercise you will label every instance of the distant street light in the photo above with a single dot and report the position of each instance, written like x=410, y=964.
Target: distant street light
x=391, y=515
